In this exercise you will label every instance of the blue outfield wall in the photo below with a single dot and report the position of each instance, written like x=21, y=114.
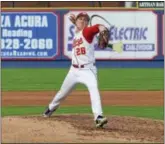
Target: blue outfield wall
x=57, y=36
x=99, y=64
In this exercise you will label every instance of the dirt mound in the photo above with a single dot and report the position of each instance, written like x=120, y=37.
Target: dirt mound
x=80, y=128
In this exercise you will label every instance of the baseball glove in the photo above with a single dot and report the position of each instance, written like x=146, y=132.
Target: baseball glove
x=103, y=39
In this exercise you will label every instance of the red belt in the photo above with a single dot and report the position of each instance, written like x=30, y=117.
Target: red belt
x=79, y=66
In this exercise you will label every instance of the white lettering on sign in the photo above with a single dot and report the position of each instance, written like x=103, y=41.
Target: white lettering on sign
x=5, y=21
x=17, y=33
x=27, y=44
x=23, y=53
x=31, y=21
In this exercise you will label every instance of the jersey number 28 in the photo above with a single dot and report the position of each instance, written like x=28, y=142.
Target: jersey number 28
x=80, y=51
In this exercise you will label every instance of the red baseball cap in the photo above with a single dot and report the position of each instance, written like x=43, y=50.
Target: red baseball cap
x=83, y=14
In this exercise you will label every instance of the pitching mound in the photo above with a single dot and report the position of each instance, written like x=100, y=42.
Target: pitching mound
x=80, y=128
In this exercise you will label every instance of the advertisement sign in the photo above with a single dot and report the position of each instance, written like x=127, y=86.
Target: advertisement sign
x=151, y=4
x=137, y=30
x=29, y=35
x=163, y=34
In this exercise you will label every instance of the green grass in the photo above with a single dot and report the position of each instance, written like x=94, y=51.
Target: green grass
x=109, y=79
x=147, y=112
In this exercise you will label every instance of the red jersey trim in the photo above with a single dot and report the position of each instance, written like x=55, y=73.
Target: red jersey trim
x=90, y=32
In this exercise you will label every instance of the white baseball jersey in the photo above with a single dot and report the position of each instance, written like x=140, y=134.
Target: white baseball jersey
x=83, y=46
x=82, y=51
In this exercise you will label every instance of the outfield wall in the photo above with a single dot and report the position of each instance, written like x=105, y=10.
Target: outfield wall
x=43, y=37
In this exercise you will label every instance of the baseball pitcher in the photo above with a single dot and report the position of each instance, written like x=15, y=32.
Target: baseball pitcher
x=83, y=69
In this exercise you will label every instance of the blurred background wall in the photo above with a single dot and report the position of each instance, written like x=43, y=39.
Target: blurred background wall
x=157, y=61
x=68, y=4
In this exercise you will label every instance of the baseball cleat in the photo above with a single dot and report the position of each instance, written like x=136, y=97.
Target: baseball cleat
x=48, y=113
x=101, y=121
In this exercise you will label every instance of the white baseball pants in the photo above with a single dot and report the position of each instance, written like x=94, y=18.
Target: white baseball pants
x=87, y=76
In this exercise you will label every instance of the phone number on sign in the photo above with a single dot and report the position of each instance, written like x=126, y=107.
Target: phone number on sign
x=27, y=44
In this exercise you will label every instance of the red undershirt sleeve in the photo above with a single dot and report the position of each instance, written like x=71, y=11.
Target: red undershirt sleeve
x=90, y=32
